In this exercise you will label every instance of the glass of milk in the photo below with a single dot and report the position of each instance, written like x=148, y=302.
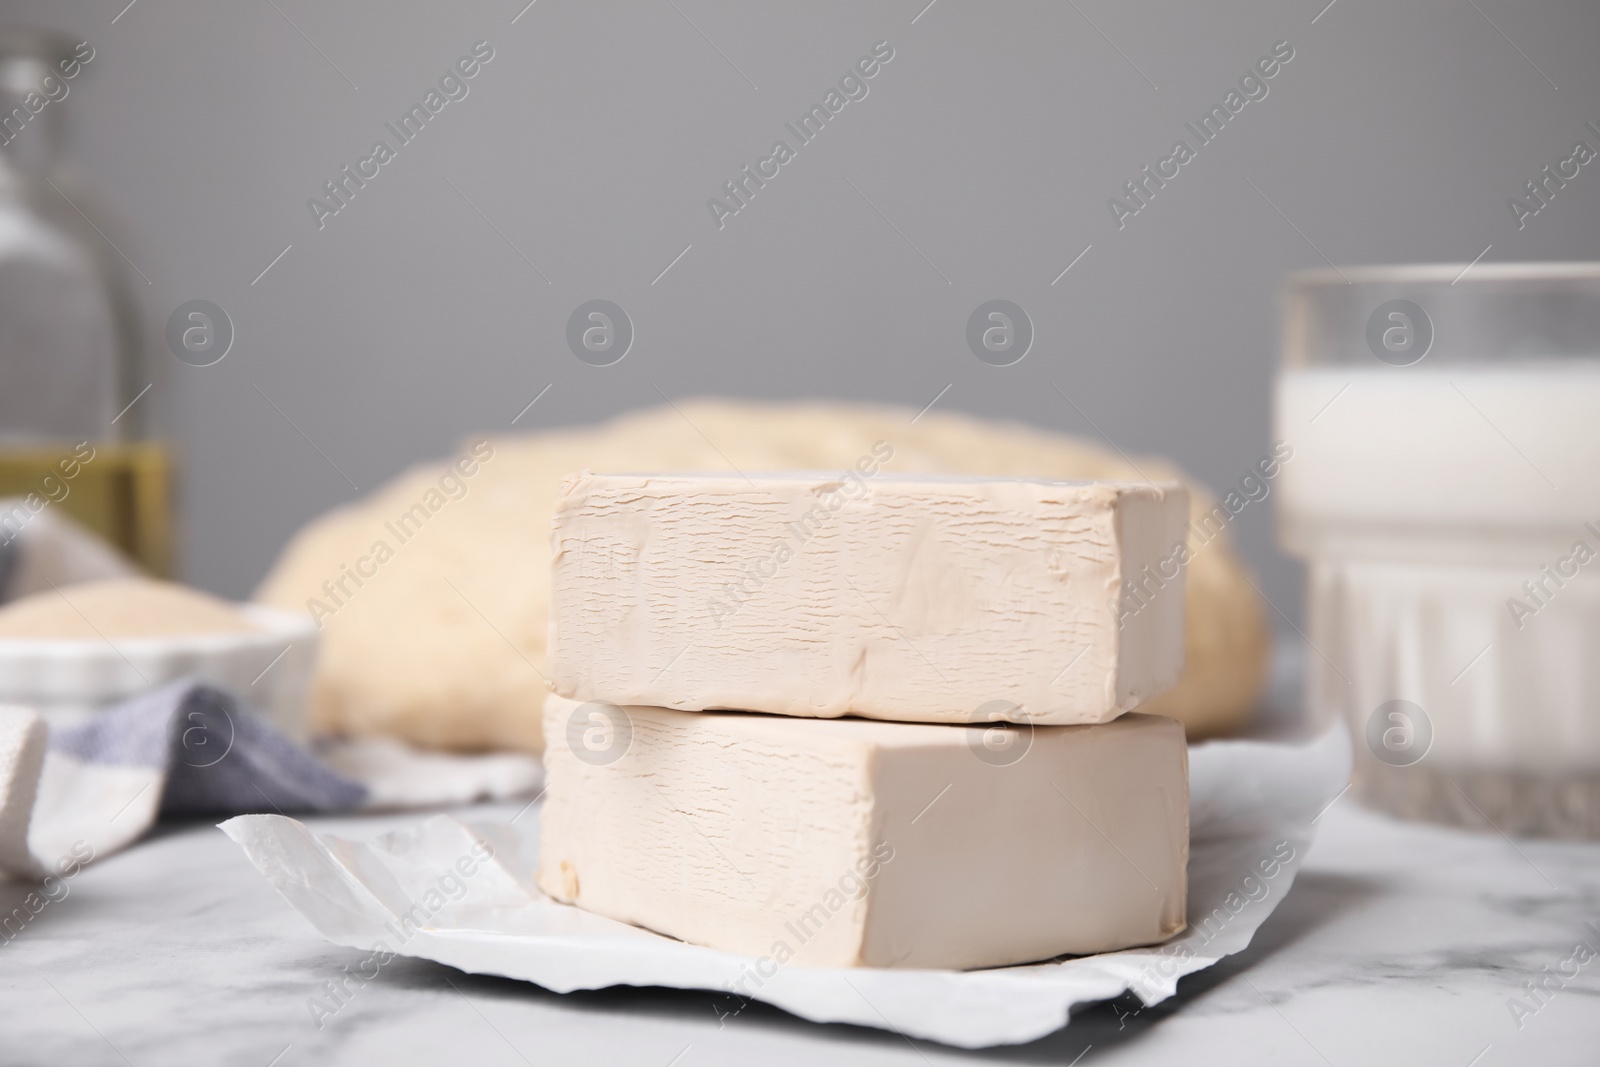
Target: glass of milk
x=1444, y=491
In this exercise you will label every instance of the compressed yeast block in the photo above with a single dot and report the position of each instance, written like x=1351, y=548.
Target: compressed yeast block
x=853, y=843
x=916, y=598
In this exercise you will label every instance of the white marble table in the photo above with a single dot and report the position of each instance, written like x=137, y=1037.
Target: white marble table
x=1399, y=944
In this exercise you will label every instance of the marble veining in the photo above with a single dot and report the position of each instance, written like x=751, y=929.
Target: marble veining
x=1398, y=944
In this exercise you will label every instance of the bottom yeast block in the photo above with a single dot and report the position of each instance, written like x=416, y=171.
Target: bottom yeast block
x=856, y=843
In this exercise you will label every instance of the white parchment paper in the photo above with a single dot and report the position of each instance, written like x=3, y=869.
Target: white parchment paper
x=462, y=894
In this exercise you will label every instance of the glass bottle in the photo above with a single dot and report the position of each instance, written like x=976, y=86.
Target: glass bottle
x=74, y=403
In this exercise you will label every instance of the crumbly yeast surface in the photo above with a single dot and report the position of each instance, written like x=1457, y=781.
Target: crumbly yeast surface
x=847, y=842
x=119, y=607
x=891, y=597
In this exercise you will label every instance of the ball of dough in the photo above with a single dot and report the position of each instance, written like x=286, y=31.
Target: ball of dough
x=432, y=592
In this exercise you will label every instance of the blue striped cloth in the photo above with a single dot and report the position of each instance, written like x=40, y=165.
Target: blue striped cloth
x=220, y=756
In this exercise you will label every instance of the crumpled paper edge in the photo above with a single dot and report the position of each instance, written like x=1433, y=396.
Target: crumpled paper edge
x=1253, y=811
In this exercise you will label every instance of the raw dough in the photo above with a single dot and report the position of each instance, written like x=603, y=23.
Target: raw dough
x=443, y=643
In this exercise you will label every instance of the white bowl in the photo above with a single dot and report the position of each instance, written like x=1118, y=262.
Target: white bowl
x=70, y=680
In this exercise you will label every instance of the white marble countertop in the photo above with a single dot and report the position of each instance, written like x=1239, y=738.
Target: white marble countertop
x=1398, y=944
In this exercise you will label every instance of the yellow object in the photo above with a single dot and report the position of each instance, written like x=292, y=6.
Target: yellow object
x=122, y=492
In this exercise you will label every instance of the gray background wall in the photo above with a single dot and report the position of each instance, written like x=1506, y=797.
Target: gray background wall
x=981, y=160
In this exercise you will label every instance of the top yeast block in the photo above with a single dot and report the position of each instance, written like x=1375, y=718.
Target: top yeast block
x=909, y=597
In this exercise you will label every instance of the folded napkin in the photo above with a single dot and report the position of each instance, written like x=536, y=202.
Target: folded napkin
x=72, y=794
